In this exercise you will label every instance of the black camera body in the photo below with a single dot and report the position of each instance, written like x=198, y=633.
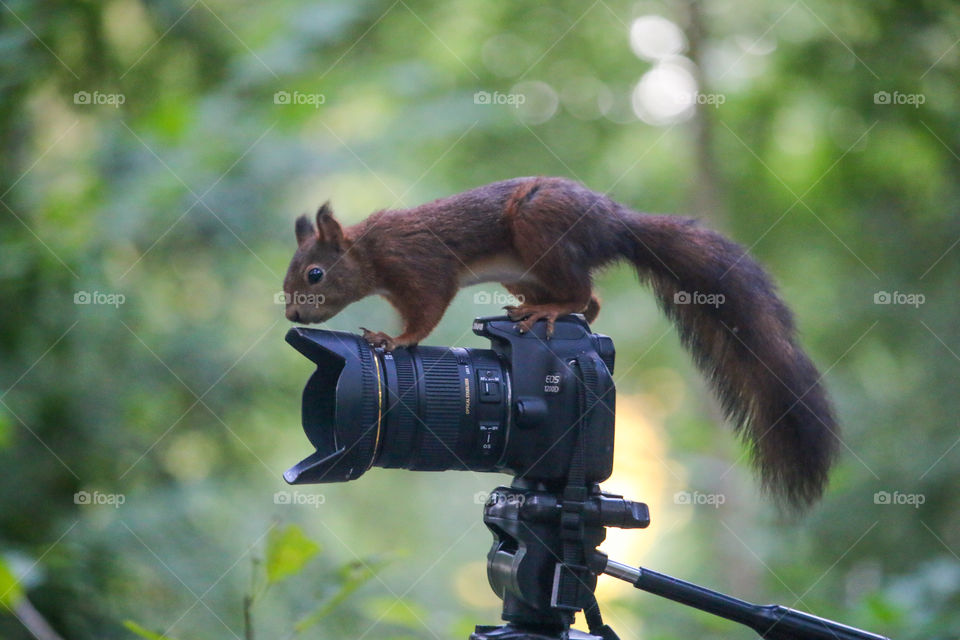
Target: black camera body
x=518, y=407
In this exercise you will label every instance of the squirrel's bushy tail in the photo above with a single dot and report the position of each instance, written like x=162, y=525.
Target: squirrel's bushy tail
x=742, y=336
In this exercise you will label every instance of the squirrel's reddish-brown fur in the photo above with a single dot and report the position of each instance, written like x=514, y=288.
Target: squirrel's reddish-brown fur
x=543, y=238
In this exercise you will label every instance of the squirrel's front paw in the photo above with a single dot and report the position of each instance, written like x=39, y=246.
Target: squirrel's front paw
x=378, y=339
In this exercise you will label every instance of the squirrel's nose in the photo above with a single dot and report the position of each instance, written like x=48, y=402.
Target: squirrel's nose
x=292, y=314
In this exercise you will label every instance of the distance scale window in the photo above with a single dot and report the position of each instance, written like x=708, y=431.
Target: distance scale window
x=489, y=391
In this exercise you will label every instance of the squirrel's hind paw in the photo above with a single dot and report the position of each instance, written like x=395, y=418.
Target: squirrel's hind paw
x=516, y=313
x=528, y=315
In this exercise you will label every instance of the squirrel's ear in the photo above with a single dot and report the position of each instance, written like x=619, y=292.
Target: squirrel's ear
x=328, y=229
x=304, y=229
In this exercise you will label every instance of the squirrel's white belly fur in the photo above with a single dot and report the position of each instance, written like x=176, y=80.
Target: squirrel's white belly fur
x=498, y=268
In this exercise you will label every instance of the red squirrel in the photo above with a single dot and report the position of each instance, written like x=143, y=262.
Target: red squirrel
x=543, y=238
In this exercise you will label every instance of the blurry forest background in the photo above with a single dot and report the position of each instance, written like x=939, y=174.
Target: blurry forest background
x=156, y=152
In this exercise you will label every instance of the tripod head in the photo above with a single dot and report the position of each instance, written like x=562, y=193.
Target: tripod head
x=544, y=565
x=544, y=560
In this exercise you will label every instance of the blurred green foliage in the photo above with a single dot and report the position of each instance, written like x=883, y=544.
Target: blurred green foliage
x=178, y=394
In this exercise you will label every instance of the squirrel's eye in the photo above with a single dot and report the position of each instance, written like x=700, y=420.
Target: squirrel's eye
x=314, y=275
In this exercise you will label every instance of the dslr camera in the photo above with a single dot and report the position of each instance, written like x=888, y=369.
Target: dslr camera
x=518, y=407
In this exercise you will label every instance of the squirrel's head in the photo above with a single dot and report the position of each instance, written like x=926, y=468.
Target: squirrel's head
x=323, y=277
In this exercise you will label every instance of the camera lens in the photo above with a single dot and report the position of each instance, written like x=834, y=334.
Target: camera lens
x=446, y=409
x=424, y=409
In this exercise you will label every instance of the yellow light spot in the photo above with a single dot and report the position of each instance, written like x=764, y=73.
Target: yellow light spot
x=640, y=473
x=473, y=588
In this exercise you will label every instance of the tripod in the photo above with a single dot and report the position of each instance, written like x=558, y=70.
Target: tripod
x=544, y=565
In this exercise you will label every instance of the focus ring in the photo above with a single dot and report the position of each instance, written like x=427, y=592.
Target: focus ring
x=442, y=414
x=403, y=410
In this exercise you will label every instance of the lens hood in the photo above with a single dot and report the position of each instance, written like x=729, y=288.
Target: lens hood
x=342, y=406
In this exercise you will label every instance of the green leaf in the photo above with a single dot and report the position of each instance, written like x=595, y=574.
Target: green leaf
x=353, y=575
x=883, y=610
x=144, y=633
x=10, y=590
x=402, y=613
x=6, y=430
x=288, y=552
